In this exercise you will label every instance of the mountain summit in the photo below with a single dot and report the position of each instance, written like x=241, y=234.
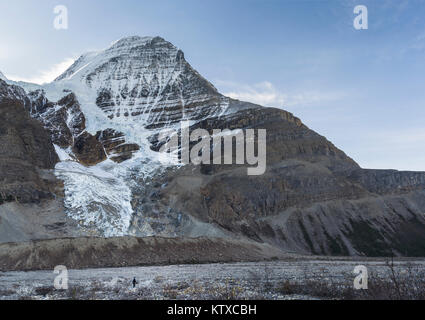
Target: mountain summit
x=145, y=78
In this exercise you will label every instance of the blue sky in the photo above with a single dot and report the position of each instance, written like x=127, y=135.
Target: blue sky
x=362, y=89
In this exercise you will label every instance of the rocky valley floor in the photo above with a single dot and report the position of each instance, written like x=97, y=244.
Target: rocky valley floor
x=303, y=278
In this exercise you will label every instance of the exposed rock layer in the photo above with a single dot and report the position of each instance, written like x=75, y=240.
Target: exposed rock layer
x=312, y=198
x=26, y=153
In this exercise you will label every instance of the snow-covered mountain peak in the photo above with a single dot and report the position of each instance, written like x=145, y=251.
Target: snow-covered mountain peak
x=128, y=48
x=146, y=79
x=132, y=48
x=132, y=41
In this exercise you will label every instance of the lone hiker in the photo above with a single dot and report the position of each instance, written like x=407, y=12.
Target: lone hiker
x=134, y=282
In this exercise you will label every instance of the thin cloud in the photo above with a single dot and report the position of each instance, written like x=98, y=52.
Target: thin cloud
x=263, y=93
x=45, y=76
x=266, y=94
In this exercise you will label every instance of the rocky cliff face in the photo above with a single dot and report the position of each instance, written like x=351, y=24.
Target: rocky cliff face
x=31, y=203
x=26, y=151
x=312, y=198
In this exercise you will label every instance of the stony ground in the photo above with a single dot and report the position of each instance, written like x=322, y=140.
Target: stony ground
x=303, y=279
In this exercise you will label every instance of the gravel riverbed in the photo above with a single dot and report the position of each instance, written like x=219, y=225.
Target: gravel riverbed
x=256, y=280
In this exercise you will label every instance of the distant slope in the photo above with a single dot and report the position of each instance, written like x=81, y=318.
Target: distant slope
x=79, y=253
x=311, y=199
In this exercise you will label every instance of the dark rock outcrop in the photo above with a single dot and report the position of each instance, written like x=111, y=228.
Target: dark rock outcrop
x=115, y=146
x=26, y=152
x=66, y=124
x=88, y=150
x=14, y=92
x=64, y=119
